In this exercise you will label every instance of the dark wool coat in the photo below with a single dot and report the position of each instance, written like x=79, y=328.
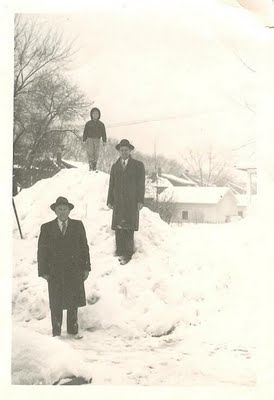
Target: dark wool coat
x=126, y=189
x=63, y=259
x=95, y=128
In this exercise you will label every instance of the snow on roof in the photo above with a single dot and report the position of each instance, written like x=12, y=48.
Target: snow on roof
x=152, y=185
x=197, y=195
x=76, y=164
x=161, y=182
x=238, y=189
x=183, y=181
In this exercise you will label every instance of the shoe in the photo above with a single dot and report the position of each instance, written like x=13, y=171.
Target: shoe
x=95, y=168
x=124, y=260
x=90, y=166
x=76, y=336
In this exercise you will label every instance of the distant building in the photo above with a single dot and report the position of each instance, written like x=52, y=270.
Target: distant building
x=201, y=204
x=250, y=172
x=154, y=186
x=243, y=204
x=183, y=180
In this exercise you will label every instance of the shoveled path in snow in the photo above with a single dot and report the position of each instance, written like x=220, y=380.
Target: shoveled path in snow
x=169, y=360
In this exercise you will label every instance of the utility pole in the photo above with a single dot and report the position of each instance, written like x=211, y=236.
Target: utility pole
x=17, y=219
x=156, y=173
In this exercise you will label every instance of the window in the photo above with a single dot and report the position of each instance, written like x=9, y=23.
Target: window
x=240, y=213
x=185, y=215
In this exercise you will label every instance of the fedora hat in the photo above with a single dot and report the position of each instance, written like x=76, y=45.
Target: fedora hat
x=61, y=201
x=124, y=142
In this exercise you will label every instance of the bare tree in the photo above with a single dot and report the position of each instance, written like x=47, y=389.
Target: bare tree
x=207, y=167
x=47, y=116
x=57, y=104
x=36, y=53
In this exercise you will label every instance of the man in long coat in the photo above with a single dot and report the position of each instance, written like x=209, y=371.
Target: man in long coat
x=64, y=261
x=126, y=198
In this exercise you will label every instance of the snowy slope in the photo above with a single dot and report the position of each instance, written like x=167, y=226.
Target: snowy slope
x=184, y=280
x=38, y=359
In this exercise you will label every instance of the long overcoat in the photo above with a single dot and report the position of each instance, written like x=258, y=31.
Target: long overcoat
x=64, y=258
x=126, y=190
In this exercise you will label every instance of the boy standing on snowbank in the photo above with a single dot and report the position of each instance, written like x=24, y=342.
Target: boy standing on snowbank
x=94, y=131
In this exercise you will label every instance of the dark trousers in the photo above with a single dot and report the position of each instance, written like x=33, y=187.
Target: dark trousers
x=124, y=242
x=57, y=319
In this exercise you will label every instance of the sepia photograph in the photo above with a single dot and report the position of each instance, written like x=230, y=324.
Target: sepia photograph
x=135, y=194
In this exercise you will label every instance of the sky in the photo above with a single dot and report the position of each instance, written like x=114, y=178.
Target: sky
x=190, y=69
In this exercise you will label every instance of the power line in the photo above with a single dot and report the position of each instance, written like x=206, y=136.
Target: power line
x=144, y=121
x=250, y=142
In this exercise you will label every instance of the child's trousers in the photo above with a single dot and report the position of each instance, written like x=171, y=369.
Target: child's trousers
x=93, y=149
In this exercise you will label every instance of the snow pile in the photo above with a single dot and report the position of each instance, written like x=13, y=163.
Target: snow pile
x=40, y=360
x=176, y=277
x=115, y=286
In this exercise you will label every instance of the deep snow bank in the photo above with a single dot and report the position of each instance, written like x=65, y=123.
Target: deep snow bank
x=123, y=292
x=39, y=359
x=180, y=276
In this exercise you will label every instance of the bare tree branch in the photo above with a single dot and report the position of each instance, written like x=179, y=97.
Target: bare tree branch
x=34, y=52
x=208, y=168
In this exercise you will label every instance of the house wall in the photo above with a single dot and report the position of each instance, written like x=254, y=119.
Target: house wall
x=207, y=213
x=243, y=209
x=197, y=213
x=227, y=208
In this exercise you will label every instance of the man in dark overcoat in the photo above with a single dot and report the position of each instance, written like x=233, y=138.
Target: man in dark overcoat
x=64, y=261
x=126, y=198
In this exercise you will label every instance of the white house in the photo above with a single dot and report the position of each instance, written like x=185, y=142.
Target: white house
x=201, y=204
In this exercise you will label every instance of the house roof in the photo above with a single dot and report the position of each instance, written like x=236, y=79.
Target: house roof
x=151, y=186
x=73, y=164
x=236, y=189
x=196, y=195
x=161, y=182
x=180, y=181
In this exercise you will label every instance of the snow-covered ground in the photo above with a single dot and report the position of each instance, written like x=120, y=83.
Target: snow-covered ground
x=182, y=312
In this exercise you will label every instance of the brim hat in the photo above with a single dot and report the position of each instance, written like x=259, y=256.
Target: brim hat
x=61, y=201
x=124, y=142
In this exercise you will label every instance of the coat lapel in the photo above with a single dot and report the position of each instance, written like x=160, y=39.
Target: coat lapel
x=128, y=163
x=56, y=230
x=119, y=165
x=68, y=230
